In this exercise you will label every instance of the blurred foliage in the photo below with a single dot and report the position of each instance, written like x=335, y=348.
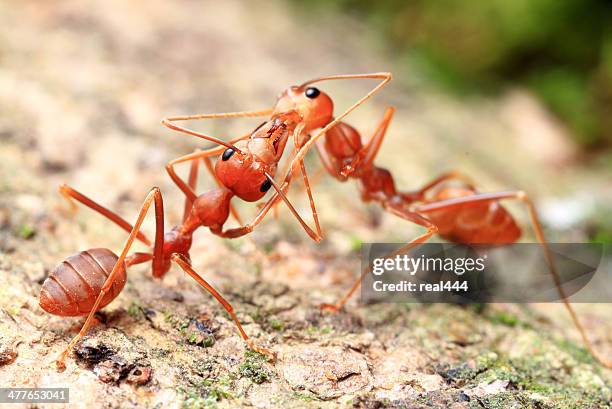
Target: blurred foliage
x=599, y=227
x=560, y=49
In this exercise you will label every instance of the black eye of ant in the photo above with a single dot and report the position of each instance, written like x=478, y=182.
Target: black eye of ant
x=312, y=92
x=265, y=186
x=227, y=154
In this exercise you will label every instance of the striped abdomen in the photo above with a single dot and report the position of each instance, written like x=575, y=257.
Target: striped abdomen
x=485, y=222
x=73, y=286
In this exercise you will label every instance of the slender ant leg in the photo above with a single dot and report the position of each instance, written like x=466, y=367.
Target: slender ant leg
x=72, y=194
x=315, y=216
x=184, y=264
x=419, y=195
x=372, y=147
x=404, y=214
x=313, y=208
x=192, y=183
x=539, y=233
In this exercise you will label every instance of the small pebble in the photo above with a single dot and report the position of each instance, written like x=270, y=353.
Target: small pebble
x=139, y=375
x=7, y=355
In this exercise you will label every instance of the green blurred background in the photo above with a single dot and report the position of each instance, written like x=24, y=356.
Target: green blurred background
x=559, y=49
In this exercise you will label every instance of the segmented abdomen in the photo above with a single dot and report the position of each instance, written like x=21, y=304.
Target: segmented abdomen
x=72, y=287
x=485, y=222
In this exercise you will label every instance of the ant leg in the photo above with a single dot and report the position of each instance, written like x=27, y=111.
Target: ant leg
x=71, y=195
x=539, y=233
x=313, y=209
x=370, y=150
x=420, y=194
x=314, y=178
x=184, y=264
x=192, y=183
x=385, y=76
x=180, y=183
x=406, y=215
x=315, y=216
x=279, y=194
x=153, y=196
x=329, y=162
x=170, y=123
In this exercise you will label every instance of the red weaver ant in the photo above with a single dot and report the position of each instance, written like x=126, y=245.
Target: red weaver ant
x=89, y=280
x=458, y=214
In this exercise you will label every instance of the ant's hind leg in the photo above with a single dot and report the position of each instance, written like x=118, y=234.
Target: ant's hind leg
x=452, y=175
x=71, y=195
x=184, y=264
x=479, y=198
x=406, y=215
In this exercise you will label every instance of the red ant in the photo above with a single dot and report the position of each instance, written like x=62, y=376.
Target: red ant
x=89, y=280
x=246, y=170
x=458, y=214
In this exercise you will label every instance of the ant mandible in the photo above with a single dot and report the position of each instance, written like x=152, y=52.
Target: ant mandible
x=87, y=281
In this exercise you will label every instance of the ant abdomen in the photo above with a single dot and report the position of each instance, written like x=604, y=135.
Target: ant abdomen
x=72, y=287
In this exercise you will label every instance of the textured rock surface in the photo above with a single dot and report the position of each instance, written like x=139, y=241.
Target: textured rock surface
x=82, y=89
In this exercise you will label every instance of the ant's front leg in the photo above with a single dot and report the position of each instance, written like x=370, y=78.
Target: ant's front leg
x=313, y=209
x=279, y=194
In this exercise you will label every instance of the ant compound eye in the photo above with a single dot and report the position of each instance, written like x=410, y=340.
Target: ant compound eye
x=265, y=186
x=312, y=92
x=227, y=154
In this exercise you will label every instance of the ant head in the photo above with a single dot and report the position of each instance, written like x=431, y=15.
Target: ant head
x=243, y=174
x=315, y=106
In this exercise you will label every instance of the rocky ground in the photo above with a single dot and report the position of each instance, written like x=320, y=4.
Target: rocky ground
x=82, y=89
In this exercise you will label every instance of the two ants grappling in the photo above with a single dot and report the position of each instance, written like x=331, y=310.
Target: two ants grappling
x=246, y=168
